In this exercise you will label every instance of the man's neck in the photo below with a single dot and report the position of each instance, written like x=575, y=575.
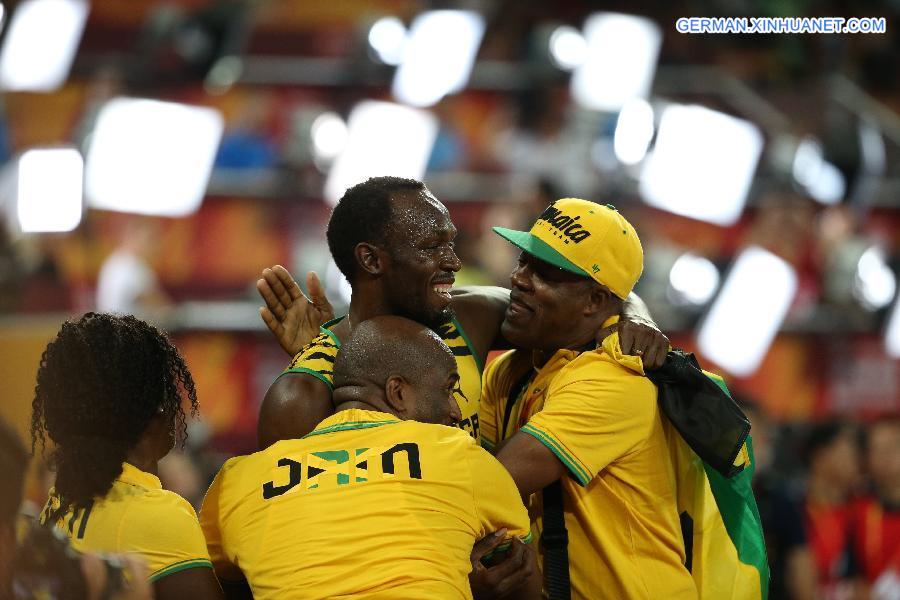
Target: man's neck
x=367, y=301
x=144, y=463
x=361, y=405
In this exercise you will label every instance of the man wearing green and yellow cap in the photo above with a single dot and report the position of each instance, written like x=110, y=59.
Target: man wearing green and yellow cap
x=563, y=408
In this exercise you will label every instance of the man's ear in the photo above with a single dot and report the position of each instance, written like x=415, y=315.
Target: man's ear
x=600, y=300
x=370, y=258
x=396, y=393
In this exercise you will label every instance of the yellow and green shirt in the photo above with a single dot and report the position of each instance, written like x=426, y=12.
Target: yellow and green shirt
x=365, y=506
x=598, y=414
x=137, y=517
x=317, y=359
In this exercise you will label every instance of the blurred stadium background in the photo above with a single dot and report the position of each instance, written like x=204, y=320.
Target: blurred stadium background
x=156, y=156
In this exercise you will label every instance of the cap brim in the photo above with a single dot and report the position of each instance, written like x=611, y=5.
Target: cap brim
x=539, y=248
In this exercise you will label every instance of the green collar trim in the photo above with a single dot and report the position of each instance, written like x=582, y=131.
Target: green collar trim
x=349, y=425
x=326, y=329
x=468, y=342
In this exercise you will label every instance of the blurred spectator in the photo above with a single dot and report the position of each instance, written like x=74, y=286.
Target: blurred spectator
x=246, y=143
x=551, y=140
x=104, y=85
x=127, y=283
x=13, y=462
x=793, y=571
x=12, y=273
x=831, y=455
x=876, y=524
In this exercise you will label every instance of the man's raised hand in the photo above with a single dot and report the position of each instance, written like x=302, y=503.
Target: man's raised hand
x=291, y=316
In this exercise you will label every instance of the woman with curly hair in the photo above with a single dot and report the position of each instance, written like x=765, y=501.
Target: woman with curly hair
x=109, y=395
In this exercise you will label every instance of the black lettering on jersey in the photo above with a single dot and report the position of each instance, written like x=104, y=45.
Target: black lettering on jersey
x=412, y=455
x=447, y=331
x=361, y=472
x=270, y=490
x=470, y=426
x=84, y=519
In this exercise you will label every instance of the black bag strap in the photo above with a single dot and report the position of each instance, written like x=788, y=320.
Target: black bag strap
x=514, y=392
x=554, y=537
x=555, y=542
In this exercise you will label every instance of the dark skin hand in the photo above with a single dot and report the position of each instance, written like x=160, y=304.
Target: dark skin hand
x=514, y=575
x=198, y=584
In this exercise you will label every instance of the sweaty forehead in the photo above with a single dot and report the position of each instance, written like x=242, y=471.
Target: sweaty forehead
x=417, y=214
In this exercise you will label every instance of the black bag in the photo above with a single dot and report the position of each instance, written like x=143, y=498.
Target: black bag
x=705, y=415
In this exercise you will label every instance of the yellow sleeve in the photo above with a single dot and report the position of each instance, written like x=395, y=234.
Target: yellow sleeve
x=212, y=526
x=491, y=401
x=497, y=500
x=589, y=424
x=316, y=359
x=164, y=530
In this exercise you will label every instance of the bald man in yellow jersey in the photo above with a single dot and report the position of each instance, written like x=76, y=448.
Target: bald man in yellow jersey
x=393, y=241
x=381, y=500
x=562, y=408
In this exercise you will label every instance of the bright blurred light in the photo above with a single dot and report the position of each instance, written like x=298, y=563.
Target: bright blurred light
x=50, y=189
x=822, y=180
x=743, y=320
x=875, y=284
x=439, y=55
x=620, y=61
x=387, y=37
x=808, y=159
x=634, y=130
x=892, y=333
x=151, y=157
x=568, y=48
x=693, y=280
x=40, y=44
x=383, y=139
x=329, y=135
x=829, y=187
x=702, y=164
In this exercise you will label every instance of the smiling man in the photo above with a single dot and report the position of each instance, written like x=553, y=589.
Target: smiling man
x=563, y=409
x=394, y=242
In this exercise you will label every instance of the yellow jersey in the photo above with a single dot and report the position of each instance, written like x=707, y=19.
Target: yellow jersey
x=137, y=517
x=598, y=414
x=365, y=506
x=317, y=359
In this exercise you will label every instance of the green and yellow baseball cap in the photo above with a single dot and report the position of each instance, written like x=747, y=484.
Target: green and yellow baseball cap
x=586, y=239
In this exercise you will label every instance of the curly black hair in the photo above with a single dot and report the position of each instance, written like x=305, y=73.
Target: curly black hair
x=362, y=215
x=99, y=385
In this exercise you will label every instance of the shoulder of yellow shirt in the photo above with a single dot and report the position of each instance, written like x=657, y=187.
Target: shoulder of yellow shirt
x=595, y=365
x=317, y=359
